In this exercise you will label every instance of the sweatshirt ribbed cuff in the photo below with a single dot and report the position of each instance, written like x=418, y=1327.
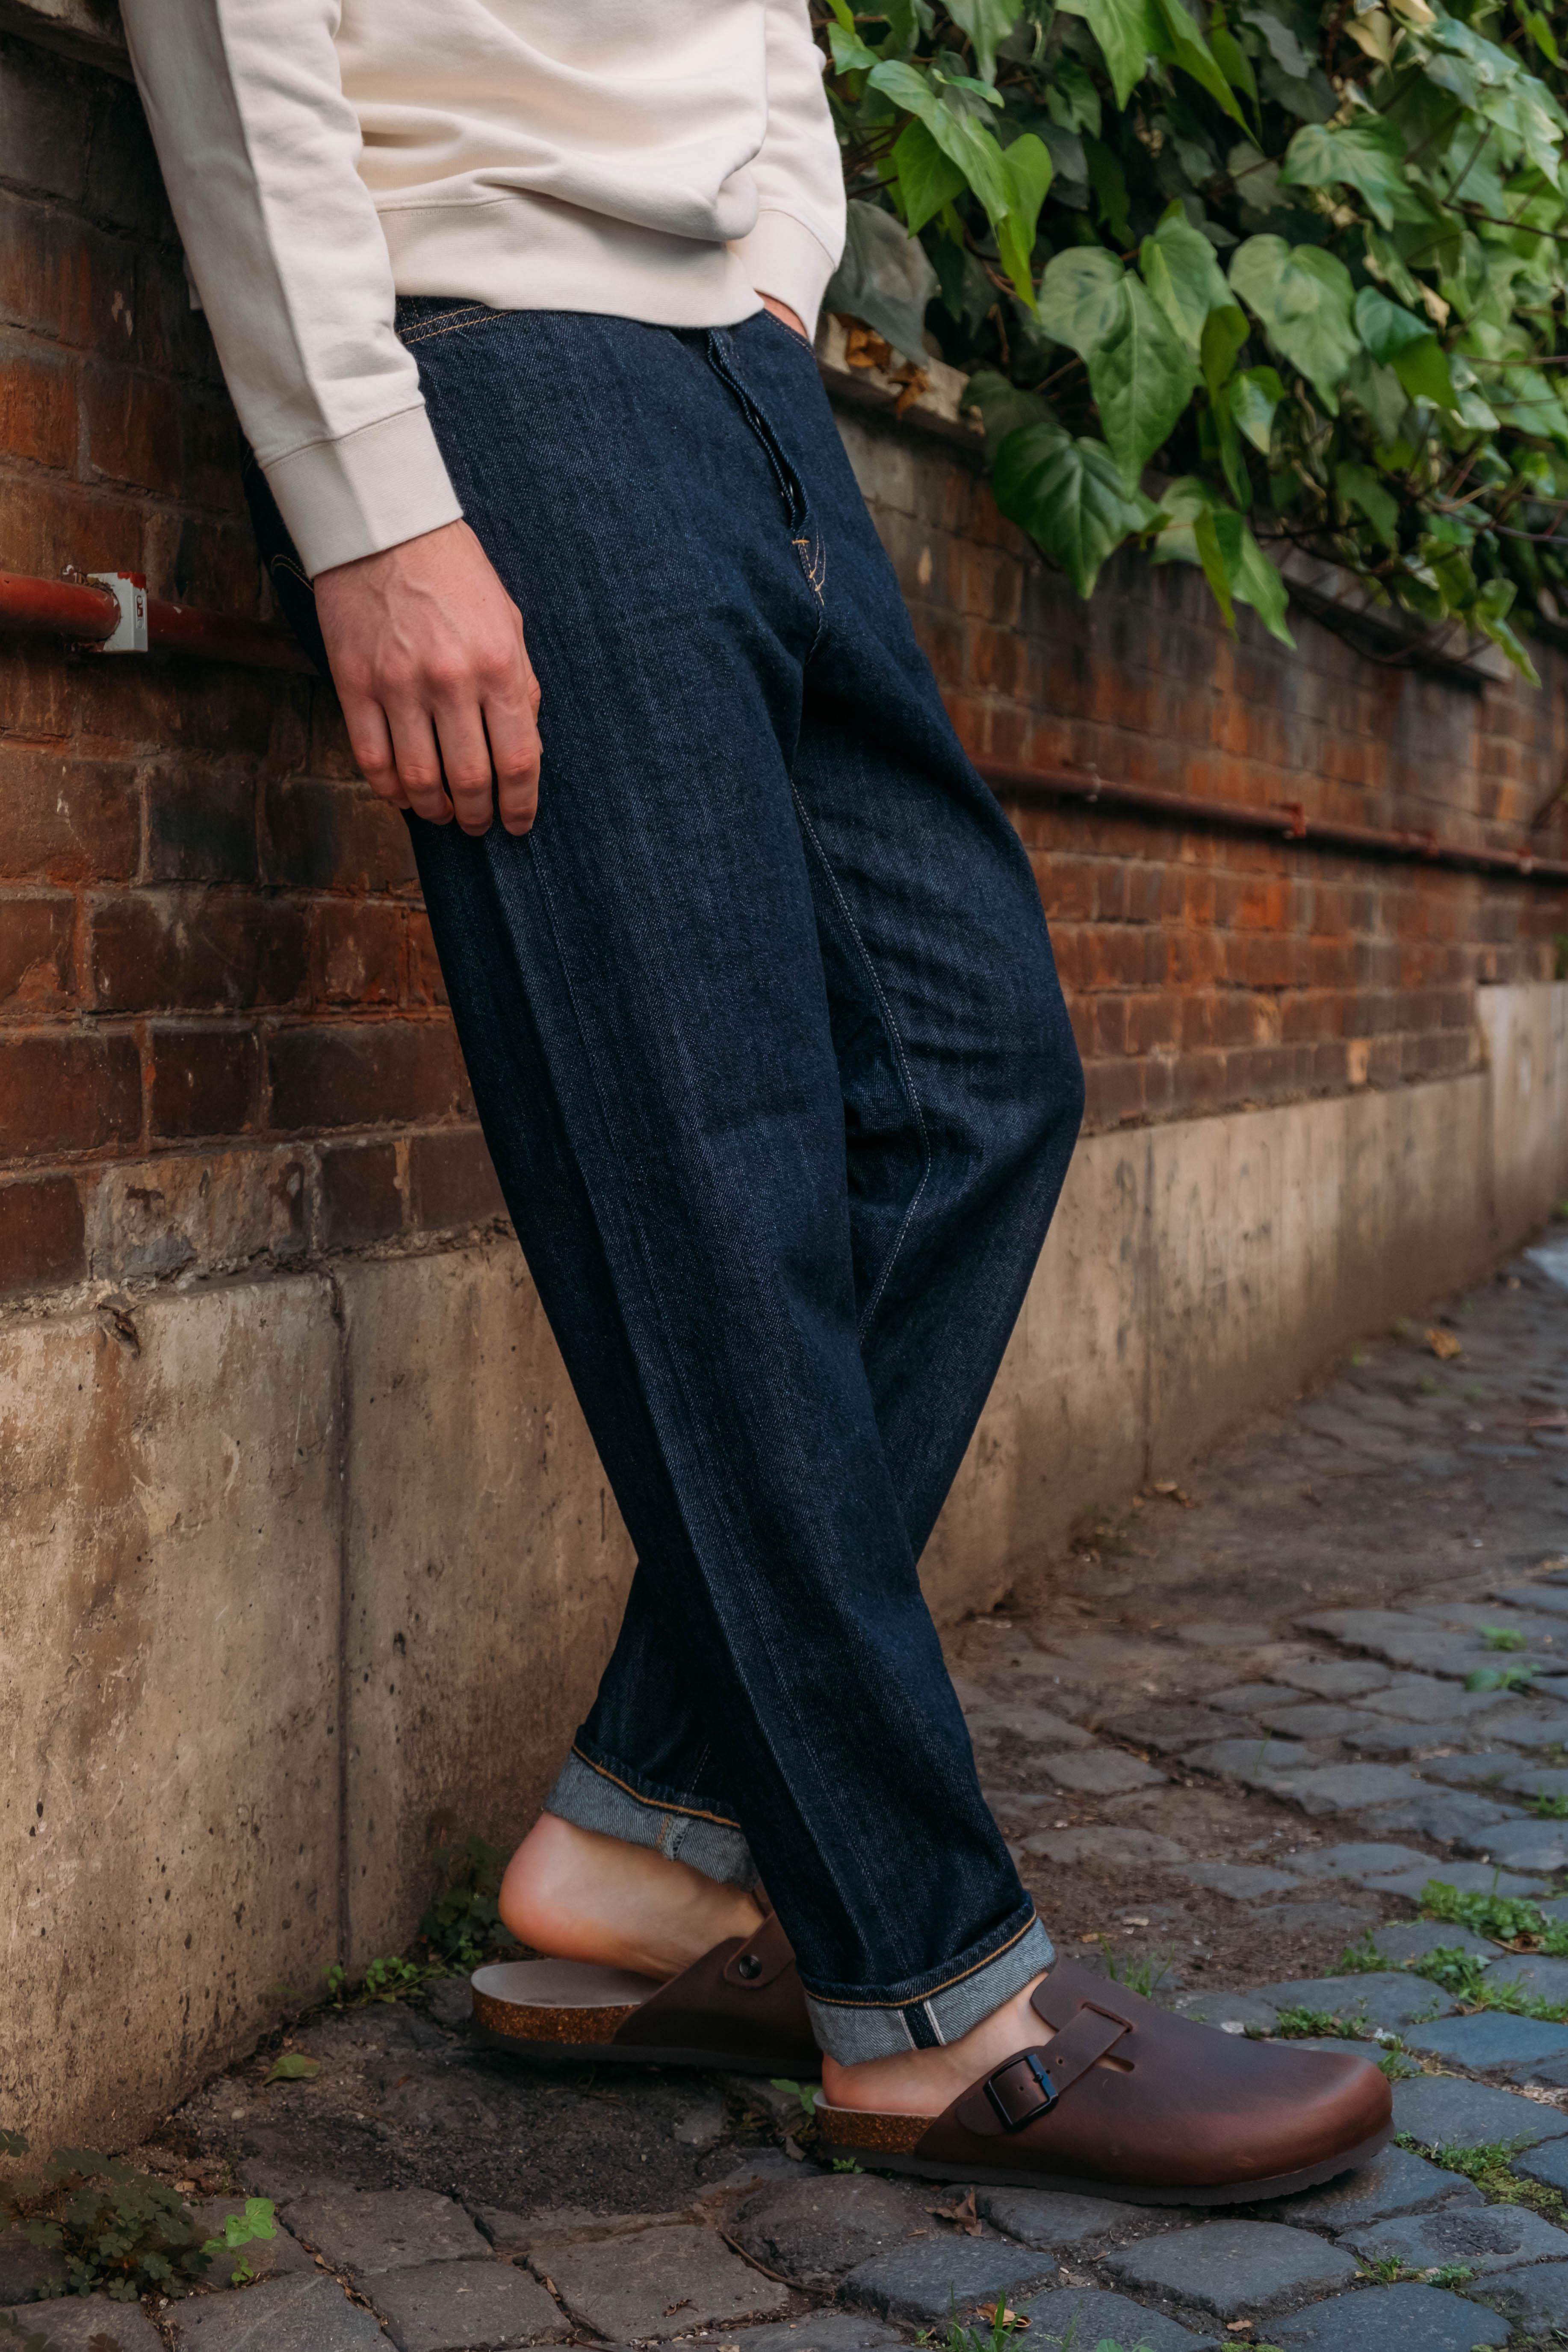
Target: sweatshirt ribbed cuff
x=376, y=488
x=782, y=257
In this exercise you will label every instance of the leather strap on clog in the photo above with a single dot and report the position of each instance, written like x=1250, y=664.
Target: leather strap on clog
x=1029, y=2085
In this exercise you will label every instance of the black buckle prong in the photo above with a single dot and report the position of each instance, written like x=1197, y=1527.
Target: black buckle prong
x=999, y=2084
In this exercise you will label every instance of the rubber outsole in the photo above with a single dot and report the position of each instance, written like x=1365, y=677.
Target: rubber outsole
x=1240, y=2192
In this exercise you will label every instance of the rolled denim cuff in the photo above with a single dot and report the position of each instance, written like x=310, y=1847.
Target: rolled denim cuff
x=852, y=2030
x=593, y=1797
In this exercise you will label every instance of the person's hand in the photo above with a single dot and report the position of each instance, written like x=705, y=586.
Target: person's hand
x=790, y=318
x=434, y=680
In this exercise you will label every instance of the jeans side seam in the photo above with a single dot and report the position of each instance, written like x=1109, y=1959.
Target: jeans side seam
x=892, y=1028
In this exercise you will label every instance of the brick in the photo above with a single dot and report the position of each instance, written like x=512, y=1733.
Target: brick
x=40, y=1235
x=132, y=430
x=180, y=949
x=366, y=1074
x=67, y=1090
x=204, y=1081
x=360, y=1202
x=43, y=121
x=36, y=967
x=37, y=409
x=201, y=827
x=321, y=835
x=451, y=1179
x=426, y=984
x=356, y=952
x=60, y=278
x=124, y=185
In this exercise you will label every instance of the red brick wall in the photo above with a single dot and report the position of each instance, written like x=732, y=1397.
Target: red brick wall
x=222, y=1037
x=214, y=963
x=1205, y=970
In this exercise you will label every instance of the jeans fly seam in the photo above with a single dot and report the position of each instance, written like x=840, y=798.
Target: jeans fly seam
x=892, y=1027
x=715, y=1487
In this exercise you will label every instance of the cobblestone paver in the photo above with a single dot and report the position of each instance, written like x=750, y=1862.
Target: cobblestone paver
x=1230, y=1740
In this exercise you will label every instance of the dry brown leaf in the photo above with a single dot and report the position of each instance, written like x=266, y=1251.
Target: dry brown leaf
x=960, y=2213
x=1444, y=1345
x=1009, y=2319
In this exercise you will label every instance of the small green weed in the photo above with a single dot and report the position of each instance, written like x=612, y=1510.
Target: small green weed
x=1448, y=2274
x=1550, y=1808
x=846, y=2164
x=1298, y=2024
x=1143, y=1976
x=1386, y=2269
x=243, y=2230
x=1454, y=1969
x=1503, y=1918
x=1429, y=1386
x=807, y=2093
x=1397, y=2066
x=1503, y=1678
x=1503, y=1637
x=463, y=1925
x=392, y=1978
x=117, y=2231
x=1358, y=1358
x=1362, y=1959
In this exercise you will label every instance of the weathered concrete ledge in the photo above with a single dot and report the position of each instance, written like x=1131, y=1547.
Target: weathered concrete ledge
x=301, y=1573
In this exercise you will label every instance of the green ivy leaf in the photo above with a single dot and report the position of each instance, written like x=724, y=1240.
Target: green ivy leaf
x=1359, y=487
x=1067, y=495
x=1397, y=340
x=1302, y=296
x=884, y=278
x=1254, y=397
x=927, y=178
x=1178, y=39
x=986, y=22
x=1181, y=274
x=1004, y=407
x=850, y=54
x=1233, y=61
x=1225, y=332
x=1027, y=165
x=1080, y=295
x=1366, y=154
x=1126, y=33
x=1141, y=379
x=1492, y=603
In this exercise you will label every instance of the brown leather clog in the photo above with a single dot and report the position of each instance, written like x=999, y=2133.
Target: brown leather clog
x=1126, y=2101
x=741, y=2006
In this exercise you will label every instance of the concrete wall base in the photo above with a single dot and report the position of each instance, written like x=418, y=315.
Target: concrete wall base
x=301, y=1574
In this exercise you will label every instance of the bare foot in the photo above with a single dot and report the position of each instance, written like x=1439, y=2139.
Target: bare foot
x=577, y=1896
x=925, y=2081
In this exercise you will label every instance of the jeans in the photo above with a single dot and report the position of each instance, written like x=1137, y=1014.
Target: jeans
x=766, y=1039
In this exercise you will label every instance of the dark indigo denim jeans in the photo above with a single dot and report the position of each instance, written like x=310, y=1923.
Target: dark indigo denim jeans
x=765, y=1034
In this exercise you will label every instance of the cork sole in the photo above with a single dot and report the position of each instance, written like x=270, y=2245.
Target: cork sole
x=568, y=2009
x=887, y=2144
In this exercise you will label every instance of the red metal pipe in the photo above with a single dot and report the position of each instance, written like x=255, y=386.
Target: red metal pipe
x=1285, y=821
x=57, y=608
x=87, y=614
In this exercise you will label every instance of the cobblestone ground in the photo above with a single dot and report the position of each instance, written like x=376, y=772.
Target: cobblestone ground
x=1234, y=1739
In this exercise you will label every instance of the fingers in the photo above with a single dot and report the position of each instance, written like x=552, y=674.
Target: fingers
x=418, y=762
x=370, y=739
x=511, y=722
x=466, y=759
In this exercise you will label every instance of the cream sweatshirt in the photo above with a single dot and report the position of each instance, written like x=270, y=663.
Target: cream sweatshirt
x=665, y=160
